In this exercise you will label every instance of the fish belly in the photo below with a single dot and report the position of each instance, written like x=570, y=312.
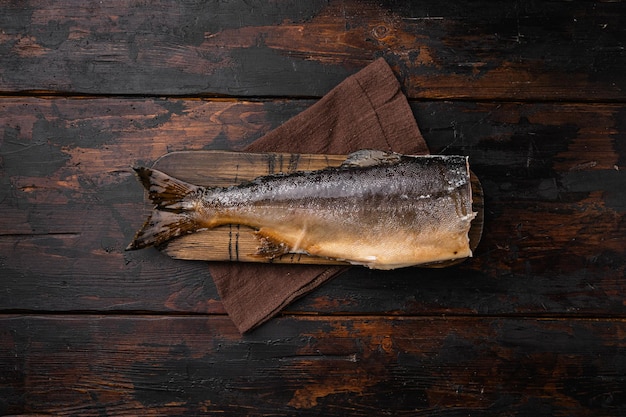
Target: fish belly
x=380, y=232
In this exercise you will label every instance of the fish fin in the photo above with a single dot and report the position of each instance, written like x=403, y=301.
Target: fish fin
x=174, y=212
x=164, y=191
x=270, y=247
x=370, y=157
x=162, y=226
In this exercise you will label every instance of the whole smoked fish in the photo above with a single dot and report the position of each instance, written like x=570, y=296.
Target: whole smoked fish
x=381, y=210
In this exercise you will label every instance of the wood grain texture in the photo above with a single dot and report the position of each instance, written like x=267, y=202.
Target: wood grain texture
x=334, y=366
x=554, y=208
x=533, y=92
x=526, y=50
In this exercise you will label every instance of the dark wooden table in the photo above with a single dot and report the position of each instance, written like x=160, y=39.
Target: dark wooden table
x=533, y=325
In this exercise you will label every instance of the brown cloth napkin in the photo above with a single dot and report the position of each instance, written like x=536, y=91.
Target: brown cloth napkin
x=365, y=111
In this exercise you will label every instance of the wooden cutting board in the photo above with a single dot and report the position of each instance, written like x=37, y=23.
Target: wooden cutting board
x=237, y=243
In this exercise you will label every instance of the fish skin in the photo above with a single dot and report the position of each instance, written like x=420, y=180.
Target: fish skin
x=380, y=210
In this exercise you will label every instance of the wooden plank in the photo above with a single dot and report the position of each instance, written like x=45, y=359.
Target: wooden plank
x=237, y=243
x=332, y=366
x=554, y=208
x=484, y=50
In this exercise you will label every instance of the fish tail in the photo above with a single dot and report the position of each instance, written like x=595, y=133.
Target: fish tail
x=174, y=211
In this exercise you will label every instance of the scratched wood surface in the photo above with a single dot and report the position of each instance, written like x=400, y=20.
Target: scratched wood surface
x=534, y=324
x=479, y=50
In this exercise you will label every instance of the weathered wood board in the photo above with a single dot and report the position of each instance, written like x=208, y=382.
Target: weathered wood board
x=492, y=50
x=237, y=243
x=69, y=203
x=532, y=325
x=146, y=365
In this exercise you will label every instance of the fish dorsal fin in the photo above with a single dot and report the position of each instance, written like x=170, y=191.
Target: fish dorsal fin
x=370, y=157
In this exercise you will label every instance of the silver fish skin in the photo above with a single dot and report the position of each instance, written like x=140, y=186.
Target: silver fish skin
x=380, y=210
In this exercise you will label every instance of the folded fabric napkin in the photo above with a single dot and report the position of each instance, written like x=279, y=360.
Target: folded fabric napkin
x=365, y=111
